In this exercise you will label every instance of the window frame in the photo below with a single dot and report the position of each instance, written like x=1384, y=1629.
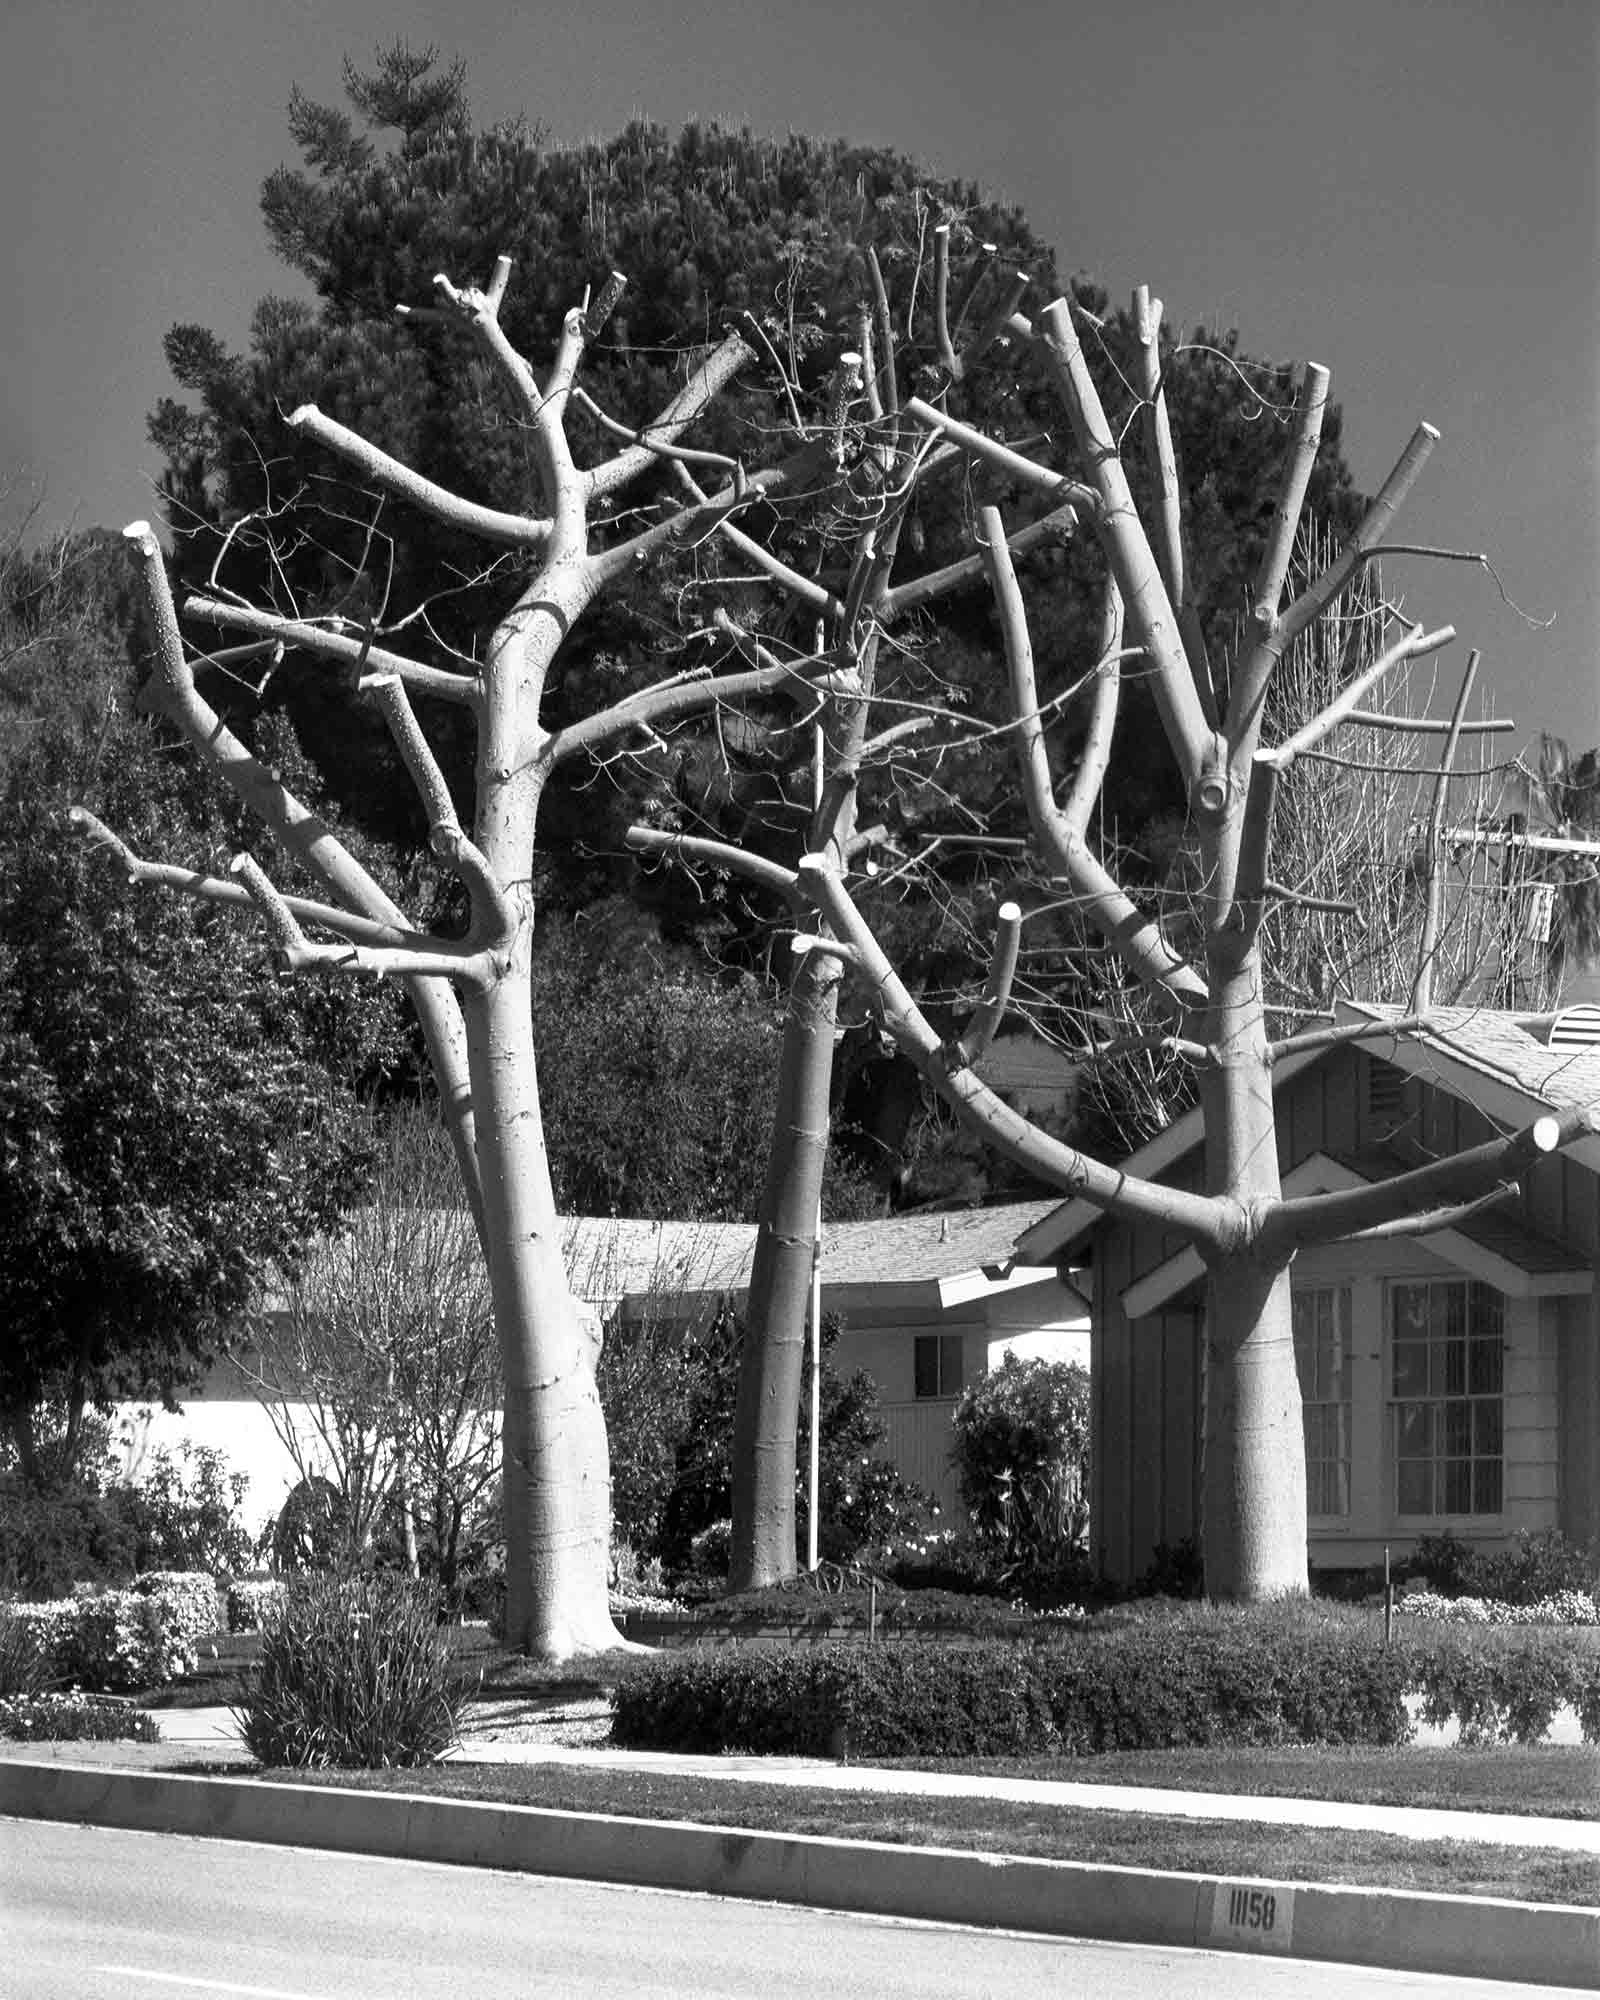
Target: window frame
x=1341, y=1405
x=942, y=1346
x=1445, y=1396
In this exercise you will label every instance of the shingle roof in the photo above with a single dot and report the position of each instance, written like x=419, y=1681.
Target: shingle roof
x=608, y=1258
x=1566, y=1079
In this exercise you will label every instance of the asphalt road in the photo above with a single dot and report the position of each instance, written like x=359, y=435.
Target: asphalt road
x=89, y=1913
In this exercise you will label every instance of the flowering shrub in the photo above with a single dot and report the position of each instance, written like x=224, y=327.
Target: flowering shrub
x=250, y=1599
x=74, y=1718
x=117, y=1641
x=1566, y=1607
x=190, y=1602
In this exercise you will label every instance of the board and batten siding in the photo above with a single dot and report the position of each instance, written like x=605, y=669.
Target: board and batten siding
x=1146, y=1375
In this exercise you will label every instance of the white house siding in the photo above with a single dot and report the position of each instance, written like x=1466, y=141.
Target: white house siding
x=1531, y=1413
x=237, y=1427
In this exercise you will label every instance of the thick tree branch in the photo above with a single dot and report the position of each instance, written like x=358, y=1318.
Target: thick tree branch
x=295, y=953
x=1054, y=527
x=1095, y=756
x=213, y=889
x=1069, y=494
x=1414, y=646
x=718, y=854
x=1396, y=1030
x=1304, y=1220
x=1281, y=630
x=1148, y=609
x=692, y=400
x=460, y=688
x=310, y=841
x=1137, y=939
x=972, y=1046
x=493, y=920
x=518, y=530
x=1195, y=1216
x=1435, y=1219
x=667, y=703
x=1428, y=945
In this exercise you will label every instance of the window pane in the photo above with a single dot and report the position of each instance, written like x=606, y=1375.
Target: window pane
x=1410, y=1368
x=1456, y=1441
x=1486, y=1485
x=950, y=1364
x=1486, y=1430
x=1450, y=1368
x=1415, y=1487
x=925, y=1364
x=1410, y=1305
x=1457, y=1485
x=1414, y=1431
x=1486, y=1367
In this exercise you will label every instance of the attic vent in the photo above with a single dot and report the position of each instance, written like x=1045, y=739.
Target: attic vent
x=1576, y=1028
x=1386, y=1093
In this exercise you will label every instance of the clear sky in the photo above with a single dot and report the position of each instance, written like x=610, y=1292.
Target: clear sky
x=1404, y=190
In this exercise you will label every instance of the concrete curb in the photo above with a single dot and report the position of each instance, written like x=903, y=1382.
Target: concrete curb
x=1465, y=1936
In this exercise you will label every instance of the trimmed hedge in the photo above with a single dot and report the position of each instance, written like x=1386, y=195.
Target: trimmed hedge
x=74, y=1718
x=191, y=1604
x=1162, y=1685
x=122, y=1640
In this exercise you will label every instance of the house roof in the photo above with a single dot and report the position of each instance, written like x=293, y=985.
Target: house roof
x=1476, y=1053
x=609, y=1258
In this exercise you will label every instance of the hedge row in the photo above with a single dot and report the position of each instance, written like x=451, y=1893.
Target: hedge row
x=1159, y=1687
x=121, y=1640
x=74, y=1718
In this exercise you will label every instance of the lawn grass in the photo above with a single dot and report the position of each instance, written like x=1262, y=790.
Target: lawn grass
x=993, y=1826
x=1556, y=1781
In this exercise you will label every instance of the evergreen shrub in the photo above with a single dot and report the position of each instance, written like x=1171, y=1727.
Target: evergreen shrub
x=354, y=1672
x=191, y=1605
x=1191, y=1678
x=73, y=1718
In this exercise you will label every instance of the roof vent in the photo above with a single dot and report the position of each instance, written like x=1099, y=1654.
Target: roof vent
x=1576, y=1028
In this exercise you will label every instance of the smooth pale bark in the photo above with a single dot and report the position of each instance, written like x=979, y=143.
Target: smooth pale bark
x=1253, y=1470
x=772, y=1360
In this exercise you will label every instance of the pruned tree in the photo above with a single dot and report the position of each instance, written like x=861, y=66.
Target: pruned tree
x=1211, y=988
x=471, y=992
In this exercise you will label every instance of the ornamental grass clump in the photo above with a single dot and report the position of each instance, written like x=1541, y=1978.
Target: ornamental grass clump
x=354, y=1672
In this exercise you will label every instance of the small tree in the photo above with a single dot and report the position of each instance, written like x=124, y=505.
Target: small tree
x=377, y=1365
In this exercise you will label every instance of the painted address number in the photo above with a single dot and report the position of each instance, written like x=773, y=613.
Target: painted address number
x=1253, y=1914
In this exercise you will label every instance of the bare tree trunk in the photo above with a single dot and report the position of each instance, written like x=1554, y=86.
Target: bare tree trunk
x=557, y=1468
x=772, y=1360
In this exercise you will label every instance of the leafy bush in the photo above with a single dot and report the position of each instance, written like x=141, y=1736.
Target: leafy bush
x=184, y=1512
x=248, y=1600
x=881, y=1701
x=190, y=1603
x=74, y=1718
x=1158, y=1686
x=1505, y=1684
x=116, y=1641
x=1021, y=1452
x=24, y=1663
x=353, y=1672
x=1538, y=1566
x=52, y=1539
x=310, y=1531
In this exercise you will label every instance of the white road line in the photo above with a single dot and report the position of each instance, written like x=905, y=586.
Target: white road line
x=206, y=1985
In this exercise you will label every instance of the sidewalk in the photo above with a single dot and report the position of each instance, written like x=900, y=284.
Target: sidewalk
x=210, y=1735
x=200, y=1781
